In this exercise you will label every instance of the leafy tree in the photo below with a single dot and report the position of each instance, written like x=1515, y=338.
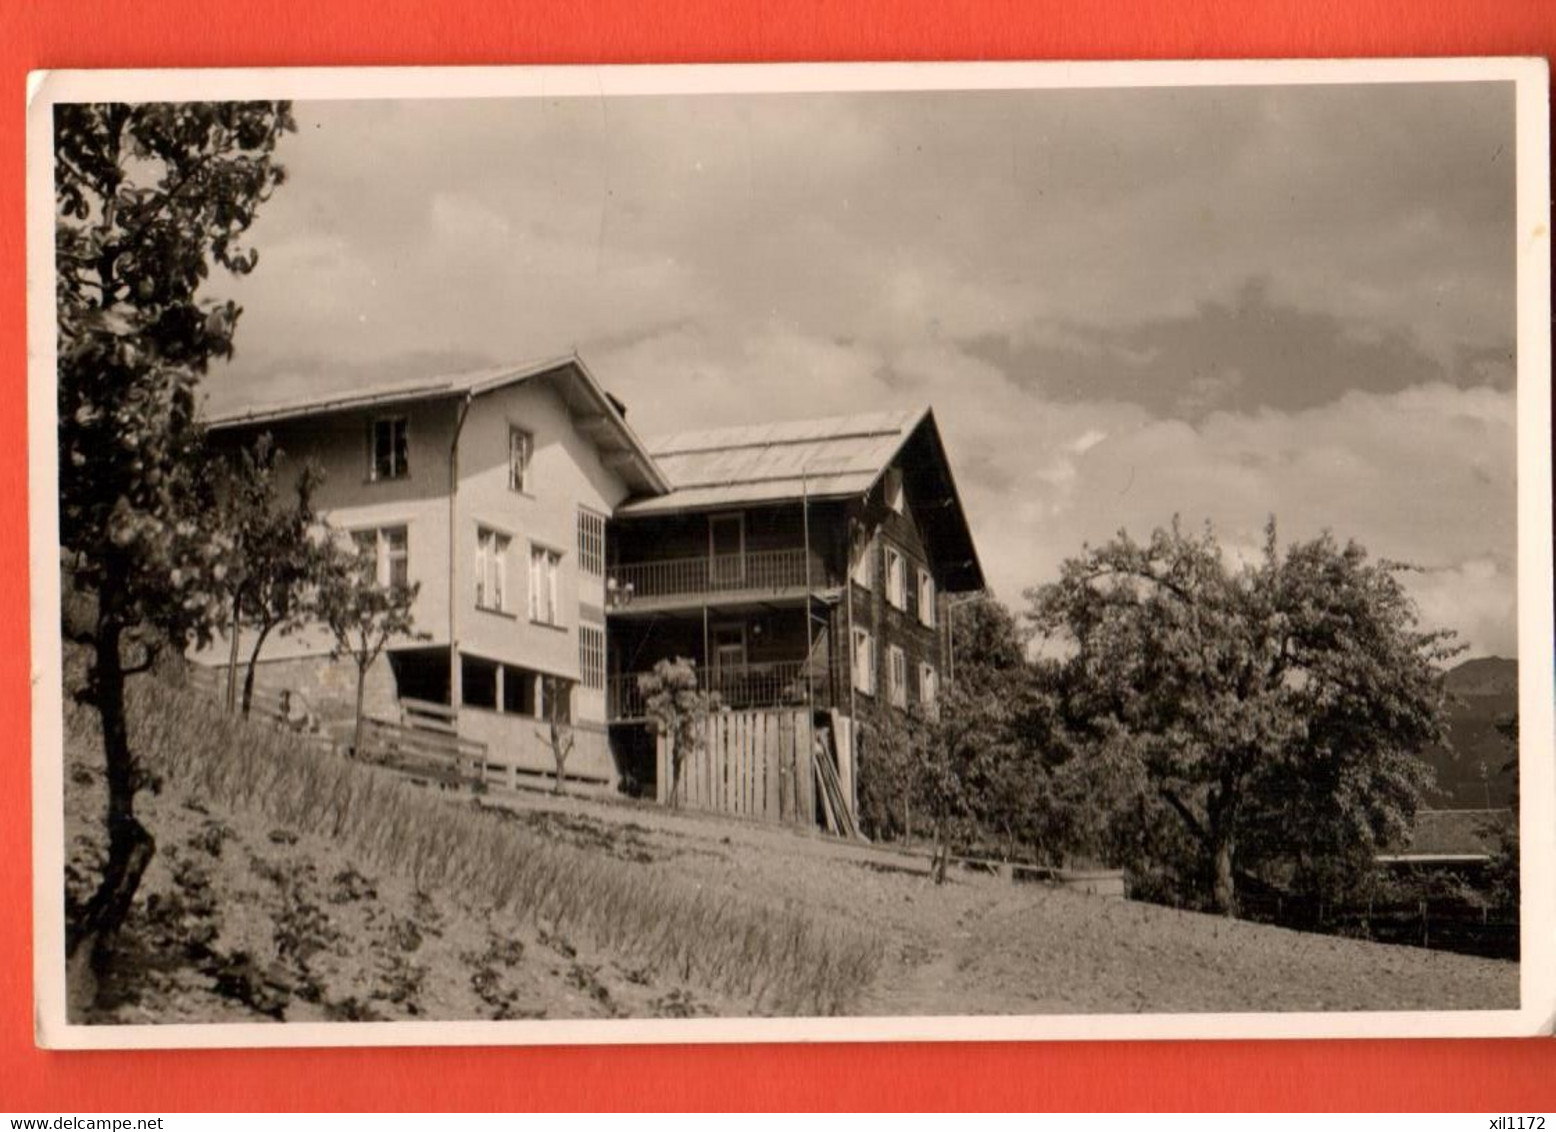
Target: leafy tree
x=988, y=647
x=993, y=691
x=1274, y=708
x=149, y=198
x=887, y=763
x=557, y=694
x=277, y=553
x=679, y=709
x=957, y=755
x=362, y=614
x=1505, y=886
x=988, y=642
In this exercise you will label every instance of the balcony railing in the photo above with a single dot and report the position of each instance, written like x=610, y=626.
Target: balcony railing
x=761, y=570
x=738, y=686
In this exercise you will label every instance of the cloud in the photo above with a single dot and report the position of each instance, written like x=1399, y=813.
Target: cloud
x=1249, y=351
x=1122, y=304
x=1477, y=599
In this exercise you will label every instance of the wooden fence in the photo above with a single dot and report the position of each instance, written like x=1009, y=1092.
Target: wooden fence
x=425, y=744
x=265, y=706
x=424, y=753
x=762, y=765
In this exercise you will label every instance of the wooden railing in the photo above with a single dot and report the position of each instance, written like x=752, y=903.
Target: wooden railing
x=762, y=570
x=423, y=753
x=777, y=684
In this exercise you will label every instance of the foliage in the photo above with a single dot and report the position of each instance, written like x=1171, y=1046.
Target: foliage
x=887, y=762
x=362, y=614
x=956, y=776
x=989, y=642
x=277, y=552
x=149, y=197
x=1503, y=875
x=985, y=771
x=678, y=709
x=1273, y=708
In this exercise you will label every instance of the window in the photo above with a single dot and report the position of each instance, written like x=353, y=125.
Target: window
x=894, y=489
x=729, y=650
x=491, y=569
x=864, y=661
x=926, y=598
x=394, y=546
x=896, y=578
x=389, y=550
x=591, y=656
x=544, y=566
x=928, y=684
x=863, y=572
x=521, y=448
x=591, y=542
x=388, y=450
x=897, y=673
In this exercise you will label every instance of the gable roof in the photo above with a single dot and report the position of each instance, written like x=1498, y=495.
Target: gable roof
x=1451, y=835
x=828, y=458
x=624, y=452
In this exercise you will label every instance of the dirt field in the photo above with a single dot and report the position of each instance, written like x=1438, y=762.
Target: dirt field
x=982, y=945
x=240, y=919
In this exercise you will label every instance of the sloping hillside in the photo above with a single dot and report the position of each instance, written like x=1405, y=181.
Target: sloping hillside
x=295, y=886
x=291, y=886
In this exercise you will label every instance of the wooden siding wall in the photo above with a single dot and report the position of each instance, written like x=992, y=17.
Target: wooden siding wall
x=890, y=625
x=755, y=764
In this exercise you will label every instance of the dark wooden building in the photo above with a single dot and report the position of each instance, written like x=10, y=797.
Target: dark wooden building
x=797, y=564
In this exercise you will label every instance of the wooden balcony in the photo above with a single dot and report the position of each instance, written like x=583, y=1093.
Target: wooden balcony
x=739, y=686
x=715, y=579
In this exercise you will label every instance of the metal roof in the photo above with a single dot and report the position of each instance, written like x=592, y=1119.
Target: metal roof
x=390, y=393
x=828, y=458
x=583, y=394
x=1454, y=833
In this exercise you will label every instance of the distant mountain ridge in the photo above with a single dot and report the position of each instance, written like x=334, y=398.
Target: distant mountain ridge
x=1472, y=769
x=1484, y=676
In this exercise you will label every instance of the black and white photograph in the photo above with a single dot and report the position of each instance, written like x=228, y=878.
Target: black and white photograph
x=831, y=552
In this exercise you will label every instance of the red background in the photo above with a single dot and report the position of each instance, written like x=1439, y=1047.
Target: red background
x=1504, y=1076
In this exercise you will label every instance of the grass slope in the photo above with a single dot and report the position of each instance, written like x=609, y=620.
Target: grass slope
x=293, y=887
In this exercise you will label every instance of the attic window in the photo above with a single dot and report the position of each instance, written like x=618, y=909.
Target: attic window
x=388, y=450
x=521, y=449
x=894, y=489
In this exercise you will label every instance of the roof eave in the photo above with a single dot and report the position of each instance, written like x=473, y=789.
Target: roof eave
x=645, y=507
x=642, y=458
x=927, y=416
x=227, y=421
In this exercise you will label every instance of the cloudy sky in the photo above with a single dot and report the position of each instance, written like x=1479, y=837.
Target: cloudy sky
x=1219, y=302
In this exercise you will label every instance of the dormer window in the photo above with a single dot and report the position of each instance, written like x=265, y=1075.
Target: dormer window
x=388, y=449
